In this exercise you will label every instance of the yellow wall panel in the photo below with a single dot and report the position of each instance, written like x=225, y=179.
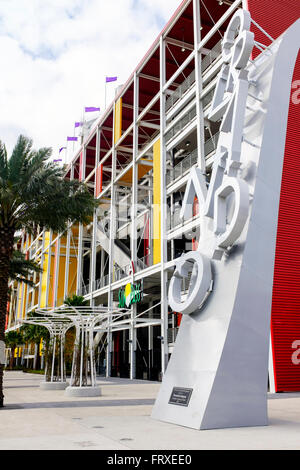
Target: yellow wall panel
x=61, y=277
x=142, y=171
x=24, y=301
x=72, y=277
x=118, y=119
x=20, y=295
x=44, y=274
x=61, y=271
x=50, y=300
x=23, y=288
x=156, y=204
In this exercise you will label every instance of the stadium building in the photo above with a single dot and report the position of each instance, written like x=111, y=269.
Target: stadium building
x=136, y=159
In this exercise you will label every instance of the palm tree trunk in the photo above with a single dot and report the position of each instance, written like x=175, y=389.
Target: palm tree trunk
x=38, y=357
x=12, y=356
x=6, y=249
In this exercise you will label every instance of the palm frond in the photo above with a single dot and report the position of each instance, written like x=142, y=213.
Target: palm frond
x=33, y=191
x=3, y=163
x=19, y=158
x=21, y=268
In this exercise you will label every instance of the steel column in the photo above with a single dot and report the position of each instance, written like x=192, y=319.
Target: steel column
x=163, y=211
x=199, y=86
x=80, y=235
x=95, y=221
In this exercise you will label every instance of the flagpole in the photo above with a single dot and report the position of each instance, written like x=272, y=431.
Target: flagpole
x=73, y=140
x=108, y=80
x=82, y=127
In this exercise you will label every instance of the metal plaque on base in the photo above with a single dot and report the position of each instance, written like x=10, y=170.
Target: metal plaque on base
x=180, y=396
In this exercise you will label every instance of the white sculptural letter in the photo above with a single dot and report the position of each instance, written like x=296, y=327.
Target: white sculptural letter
x=219, y=365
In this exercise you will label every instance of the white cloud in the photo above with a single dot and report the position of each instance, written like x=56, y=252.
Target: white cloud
x=56, y=54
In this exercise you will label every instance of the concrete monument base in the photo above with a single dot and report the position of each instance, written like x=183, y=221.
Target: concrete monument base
x=54, y=385
x=83, y=391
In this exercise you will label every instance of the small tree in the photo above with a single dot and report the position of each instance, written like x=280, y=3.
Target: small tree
x=35, y=334
x=12, y=340
x=34, y=192
x=76, y=301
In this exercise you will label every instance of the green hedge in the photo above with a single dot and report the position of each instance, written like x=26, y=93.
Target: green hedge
x=32, y=371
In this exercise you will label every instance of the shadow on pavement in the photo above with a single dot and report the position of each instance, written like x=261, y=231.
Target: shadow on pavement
x=79, y=404
x=279, y=396
x=21, y=386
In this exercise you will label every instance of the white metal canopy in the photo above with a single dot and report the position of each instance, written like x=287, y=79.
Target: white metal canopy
x=85, y=319
x=57, y=327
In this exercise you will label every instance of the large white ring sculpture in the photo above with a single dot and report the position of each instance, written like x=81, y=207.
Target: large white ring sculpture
x=199, y=285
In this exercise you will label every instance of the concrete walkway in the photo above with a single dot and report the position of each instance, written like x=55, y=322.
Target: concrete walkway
x=120, y=420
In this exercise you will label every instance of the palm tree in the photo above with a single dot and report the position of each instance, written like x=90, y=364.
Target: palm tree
x=34, y=193
x=21, y=268
x=12, y=340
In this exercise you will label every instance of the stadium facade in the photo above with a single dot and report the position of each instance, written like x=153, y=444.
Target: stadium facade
x=136, y=159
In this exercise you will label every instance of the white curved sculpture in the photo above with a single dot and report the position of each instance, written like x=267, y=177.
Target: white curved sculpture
x=218, y=372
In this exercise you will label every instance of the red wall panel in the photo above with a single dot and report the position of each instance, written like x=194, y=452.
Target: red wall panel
x=99, y=180
x=81, y=167
x=275, y=16
x=285, y=323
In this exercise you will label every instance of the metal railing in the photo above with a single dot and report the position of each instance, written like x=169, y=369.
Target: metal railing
x=186, y=164
x=144, y=262
x=207, y=99
x=102, y=282
x=180, y=91
x=208, y=60
x=187, y=118
x=85, y=289
x=172, y=334
x=181, y=124
x=174, y=219
x=186, y=282
x=121, y=272
x=211, y=144
x=214, y=54
x=182, y=167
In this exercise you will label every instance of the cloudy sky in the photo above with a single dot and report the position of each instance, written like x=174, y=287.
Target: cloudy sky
x=55, y=55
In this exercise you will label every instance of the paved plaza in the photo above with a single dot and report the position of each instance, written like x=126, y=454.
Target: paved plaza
x=120, y=420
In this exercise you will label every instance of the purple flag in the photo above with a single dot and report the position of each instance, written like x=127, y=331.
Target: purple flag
x=58, y=160
x=72, y=139
x=111, y=79
x=78, y=124
x=91, y=109
x=61, y=149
